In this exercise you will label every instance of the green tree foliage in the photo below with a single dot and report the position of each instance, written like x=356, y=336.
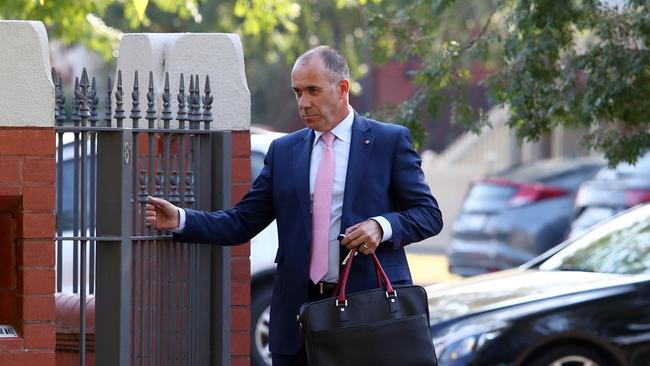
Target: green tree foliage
x=273, y=32
x=576, y=63
x=82, y=21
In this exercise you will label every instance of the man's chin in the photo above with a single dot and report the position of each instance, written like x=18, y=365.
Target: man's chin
x=310, y=121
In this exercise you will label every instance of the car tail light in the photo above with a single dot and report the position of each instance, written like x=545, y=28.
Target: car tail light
x=636, y=196
x=530, y=193
x=527, y=193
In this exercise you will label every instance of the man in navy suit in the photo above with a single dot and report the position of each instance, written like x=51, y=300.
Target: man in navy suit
x=379, y=200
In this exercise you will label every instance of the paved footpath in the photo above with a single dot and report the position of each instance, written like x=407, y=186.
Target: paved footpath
x=429, y=268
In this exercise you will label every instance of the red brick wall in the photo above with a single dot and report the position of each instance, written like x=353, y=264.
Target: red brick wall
x=27, y=172
x=27, y=175
x=240, y=262
x=392, y=84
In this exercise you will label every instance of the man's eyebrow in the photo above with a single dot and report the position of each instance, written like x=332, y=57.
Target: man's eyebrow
x=308, y=87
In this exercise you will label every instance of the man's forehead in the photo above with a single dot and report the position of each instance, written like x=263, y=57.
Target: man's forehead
x=306, y=86
x=311, y=64
x=309, y=78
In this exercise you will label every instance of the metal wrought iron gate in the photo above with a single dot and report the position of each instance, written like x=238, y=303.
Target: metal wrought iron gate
x=157, y=301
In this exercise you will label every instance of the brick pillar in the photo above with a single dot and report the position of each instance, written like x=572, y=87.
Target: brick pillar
x=27, y=172
x=240, y=256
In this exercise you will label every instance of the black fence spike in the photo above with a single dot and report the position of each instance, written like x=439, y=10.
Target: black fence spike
x=135, y=96
x=82, y=98
x=60, y=114
x=107, y=107
x=56, y=86
x=75, y=102
x=167, y=106
x=195, y=106
x=119, y=104
x=207, y=104
x=151, y=103
x=94, y=103
x=181, y=115
x=190, y=102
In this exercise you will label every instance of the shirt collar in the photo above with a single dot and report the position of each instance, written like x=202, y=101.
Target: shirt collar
x=342, y=131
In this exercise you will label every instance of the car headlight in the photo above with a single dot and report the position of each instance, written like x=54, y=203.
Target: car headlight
x=458, y=349
x=458, y=344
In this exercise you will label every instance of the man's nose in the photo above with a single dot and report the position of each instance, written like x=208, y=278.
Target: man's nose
x=304, y=102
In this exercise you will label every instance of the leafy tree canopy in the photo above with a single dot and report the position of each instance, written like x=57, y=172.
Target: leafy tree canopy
x=576, y=63
x=274, y=32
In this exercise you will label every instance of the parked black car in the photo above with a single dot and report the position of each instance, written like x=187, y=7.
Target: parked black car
x=512, y=216
x=612, y=190
x=585, y=302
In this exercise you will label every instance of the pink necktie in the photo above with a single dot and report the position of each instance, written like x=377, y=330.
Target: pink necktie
x=321, y=209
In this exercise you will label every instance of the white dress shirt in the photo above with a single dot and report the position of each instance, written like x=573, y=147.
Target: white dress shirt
x=341, y=146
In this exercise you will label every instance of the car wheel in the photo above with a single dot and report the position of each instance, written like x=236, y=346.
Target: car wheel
x=260, y=314
x=569, y=356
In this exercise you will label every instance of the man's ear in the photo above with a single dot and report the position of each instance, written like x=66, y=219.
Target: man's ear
x=343, y=88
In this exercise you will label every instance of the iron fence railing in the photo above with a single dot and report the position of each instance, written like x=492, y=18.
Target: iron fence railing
x=153, y=294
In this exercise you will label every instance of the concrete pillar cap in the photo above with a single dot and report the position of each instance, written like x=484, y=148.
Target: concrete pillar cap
x=27, y=92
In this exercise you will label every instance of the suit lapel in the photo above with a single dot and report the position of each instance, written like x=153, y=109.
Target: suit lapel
x=301, y=158
x=361, y=144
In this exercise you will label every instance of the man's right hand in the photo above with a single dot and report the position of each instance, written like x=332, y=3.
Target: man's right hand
x=162, y=214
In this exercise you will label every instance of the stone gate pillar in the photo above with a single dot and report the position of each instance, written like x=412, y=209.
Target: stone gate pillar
x=27, y=175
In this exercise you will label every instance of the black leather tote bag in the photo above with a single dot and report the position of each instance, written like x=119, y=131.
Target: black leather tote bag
x=383, y=326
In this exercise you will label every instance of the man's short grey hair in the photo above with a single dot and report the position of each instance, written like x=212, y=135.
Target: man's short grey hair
x=334, y=62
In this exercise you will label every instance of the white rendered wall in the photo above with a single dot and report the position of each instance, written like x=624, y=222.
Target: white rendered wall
x=26, y=88
x=218, y=55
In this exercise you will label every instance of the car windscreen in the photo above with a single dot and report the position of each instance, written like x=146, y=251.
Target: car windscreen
x=563, y=173
x=589, y=217
x=487, y=197
x=641, y=169
x=620, y=246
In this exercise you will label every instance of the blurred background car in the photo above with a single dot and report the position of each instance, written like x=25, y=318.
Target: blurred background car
x=510, y=217
x=263, y=250
x=585, y=302
x=610, y=191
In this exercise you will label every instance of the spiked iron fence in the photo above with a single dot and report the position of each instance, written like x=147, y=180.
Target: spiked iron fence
x=158, y=302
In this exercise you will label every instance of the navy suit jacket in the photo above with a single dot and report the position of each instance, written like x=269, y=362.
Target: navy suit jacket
x=384, y=178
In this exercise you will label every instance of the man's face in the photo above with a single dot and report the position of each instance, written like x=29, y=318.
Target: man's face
x=321, y=104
